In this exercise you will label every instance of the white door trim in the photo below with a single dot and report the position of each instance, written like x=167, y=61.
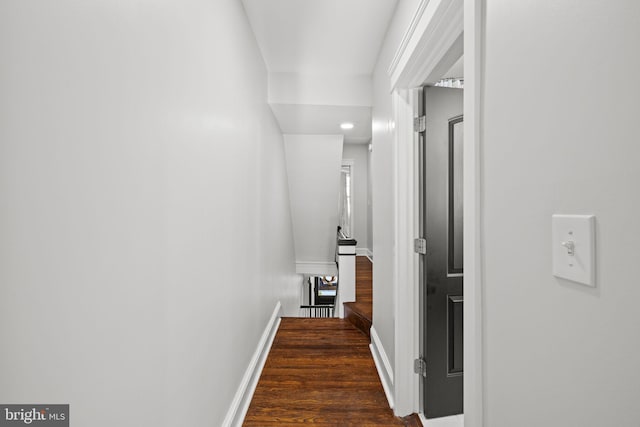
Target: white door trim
x=406, y=307
x=473, y=243
x=431, y=43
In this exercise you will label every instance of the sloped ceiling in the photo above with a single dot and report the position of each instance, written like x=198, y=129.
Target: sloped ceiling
x=320, y=36
x=320, y=40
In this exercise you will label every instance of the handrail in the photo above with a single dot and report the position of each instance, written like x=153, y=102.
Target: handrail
x=344, y=240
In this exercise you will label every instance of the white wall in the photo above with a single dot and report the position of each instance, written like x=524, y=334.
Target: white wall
x=560, y=136
x=383, y=176
x=359, y=153
x=146, y=233
x=313, y=167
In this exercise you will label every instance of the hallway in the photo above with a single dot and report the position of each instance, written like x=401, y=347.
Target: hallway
x=171, y=172
x=320, y=372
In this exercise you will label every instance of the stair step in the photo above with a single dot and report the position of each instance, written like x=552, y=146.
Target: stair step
x=357, y=319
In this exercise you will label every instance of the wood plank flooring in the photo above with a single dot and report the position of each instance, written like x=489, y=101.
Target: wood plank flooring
x=320, y=372
x=360, y=312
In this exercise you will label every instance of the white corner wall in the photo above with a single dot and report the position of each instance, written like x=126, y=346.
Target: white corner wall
x=313, y=169
x=560, y=136
x=145, y=222
x=359, y=153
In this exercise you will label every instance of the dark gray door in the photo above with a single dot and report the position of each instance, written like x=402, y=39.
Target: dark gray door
x=441, y=266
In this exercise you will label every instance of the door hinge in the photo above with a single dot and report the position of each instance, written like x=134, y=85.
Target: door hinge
x=420, y=124
x=420, y=367
x=420, y=246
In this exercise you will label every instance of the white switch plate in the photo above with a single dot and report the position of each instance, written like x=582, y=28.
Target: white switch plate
x=574, y=233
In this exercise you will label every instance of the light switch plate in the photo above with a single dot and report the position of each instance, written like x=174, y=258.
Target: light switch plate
x=573, y=248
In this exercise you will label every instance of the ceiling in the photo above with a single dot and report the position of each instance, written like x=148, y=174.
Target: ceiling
x=321, y=38
x=325, y=120
x=457, y=70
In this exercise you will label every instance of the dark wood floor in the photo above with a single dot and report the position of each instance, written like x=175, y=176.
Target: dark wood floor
x=360, y=312
x=320, y=371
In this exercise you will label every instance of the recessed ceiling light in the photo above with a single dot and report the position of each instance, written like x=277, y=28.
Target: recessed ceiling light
x=346, y=126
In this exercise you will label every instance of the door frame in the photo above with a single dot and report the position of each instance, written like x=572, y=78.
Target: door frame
x=438, y=30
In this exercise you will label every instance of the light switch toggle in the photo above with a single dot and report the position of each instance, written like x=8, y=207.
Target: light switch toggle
x=571, y=247
x=574, y=250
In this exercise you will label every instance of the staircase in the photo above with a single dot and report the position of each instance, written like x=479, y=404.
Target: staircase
x=356, y=289
x=360, y=312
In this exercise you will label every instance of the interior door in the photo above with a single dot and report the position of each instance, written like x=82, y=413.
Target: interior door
x=441, y=264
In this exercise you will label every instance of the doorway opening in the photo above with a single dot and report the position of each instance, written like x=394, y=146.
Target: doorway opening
x=440, y=219
x=439, y=35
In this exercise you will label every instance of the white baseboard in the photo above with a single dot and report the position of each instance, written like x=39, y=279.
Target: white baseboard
x=316, y=268
x=244, y=394
x=385, y=371
x=365, y=252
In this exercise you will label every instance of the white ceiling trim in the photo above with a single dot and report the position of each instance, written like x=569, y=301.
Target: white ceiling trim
x=432, y=44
